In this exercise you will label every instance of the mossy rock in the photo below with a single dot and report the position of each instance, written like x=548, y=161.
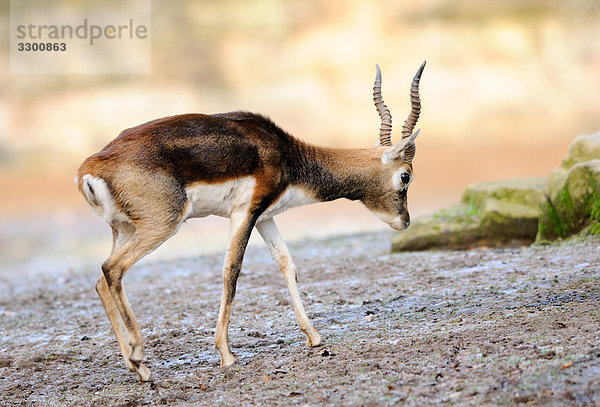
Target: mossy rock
x=583, y=148
x=491, y=214
x=504, y=219
x=454, y=227
x=573, y=202
x=527, y=192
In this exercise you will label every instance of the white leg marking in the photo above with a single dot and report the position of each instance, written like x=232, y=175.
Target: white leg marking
x=270, y=234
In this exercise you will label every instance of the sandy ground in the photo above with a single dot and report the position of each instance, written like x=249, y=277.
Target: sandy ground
x=485, y=326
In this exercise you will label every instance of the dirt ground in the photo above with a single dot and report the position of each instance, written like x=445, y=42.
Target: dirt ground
x=485, y=326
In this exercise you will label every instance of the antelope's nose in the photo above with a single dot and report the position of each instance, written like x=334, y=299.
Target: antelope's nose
x=400, y=224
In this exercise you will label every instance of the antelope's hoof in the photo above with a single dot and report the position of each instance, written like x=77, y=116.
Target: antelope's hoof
x=313, y=339
x=227, y=360
x=144, y=372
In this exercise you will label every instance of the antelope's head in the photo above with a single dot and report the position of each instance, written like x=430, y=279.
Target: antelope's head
x=388, y=197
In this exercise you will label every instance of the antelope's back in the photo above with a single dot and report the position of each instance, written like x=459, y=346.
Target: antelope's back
x=193, y=147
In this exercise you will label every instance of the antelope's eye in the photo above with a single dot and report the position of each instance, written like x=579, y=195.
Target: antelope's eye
x=405, y=178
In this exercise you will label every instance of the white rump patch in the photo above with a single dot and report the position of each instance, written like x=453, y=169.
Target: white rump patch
x=100, y=199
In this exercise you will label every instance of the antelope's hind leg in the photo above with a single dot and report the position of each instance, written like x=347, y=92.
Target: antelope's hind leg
x=159, y=213
x=147, y=237
x=121, y=234
x=270, y=234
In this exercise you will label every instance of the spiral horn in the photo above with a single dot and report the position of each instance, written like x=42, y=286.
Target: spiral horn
x=415, y=104
x=385, y=130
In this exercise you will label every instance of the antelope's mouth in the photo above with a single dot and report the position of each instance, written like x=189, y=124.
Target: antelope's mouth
x=399, y=224
x=395, y=222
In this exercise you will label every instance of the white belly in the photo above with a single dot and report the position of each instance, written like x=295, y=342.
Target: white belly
x=219, y=199
x=234, y=196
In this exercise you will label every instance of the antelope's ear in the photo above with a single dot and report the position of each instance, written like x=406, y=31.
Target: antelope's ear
x=404, y=149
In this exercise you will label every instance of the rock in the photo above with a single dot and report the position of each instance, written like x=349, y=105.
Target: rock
x=491, y=213
x=455, y=227
x=509, y=209
x=572, y=192
x=583, y=148
x=505, y=220
x=528, y=192
x=573, y=202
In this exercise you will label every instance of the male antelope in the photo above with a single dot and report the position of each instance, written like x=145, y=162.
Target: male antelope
x=240, y=165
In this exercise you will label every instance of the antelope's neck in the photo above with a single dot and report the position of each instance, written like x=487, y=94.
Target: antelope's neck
x=332, y=173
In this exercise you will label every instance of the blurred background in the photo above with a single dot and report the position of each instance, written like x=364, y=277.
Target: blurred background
x=508, y=85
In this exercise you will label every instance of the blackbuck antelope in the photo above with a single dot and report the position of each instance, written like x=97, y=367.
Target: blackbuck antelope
x=239, y=165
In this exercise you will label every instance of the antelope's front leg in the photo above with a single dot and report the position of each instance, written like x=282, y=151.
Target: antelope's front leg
x=239, y=233
x=270, y=234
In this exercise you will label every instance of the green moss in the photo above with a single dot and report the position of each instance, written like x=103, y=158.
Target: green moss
x=594, y=203
x=528, y=192
x=565, y=201
x=573, y=210
x=551, y=226
x=467, y=213
x=566, y=213
x=594, y=209
x=594, y=229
